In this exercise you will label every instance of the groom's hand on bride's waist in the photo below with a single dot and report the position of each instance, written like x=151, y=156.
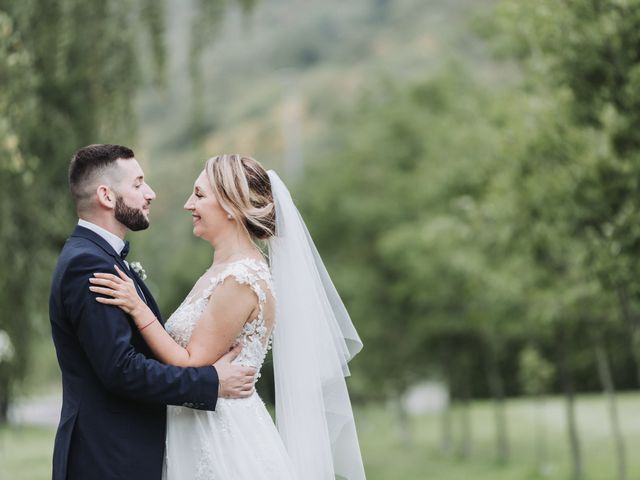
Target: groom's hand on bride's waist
x=235, y=381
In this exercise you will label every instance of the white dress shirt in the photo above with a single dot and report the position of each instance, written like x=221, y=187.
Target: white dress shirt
x=115, y=241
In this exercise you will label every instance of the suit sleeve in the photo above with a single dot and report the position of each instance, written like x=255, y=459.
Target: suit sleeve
x=104, y=332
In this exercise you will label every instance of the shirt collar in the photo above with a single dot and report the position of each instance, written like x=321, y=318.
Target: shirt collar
x=115, y=241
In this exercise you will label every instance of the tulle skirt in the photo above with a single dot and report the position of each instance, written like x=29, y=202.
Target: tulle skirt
x=238, y=441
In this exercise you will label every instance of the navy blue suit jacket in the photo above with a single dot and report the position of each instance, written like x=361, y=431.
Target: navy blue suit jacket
x=113, y=419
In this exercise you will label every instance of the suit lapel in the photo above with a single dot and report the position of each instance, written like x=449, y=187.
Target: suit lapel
x=102, y=243
x=151, y=302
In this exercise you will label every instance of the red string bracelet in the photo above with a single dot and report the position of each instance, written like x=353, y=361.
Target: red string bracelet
x=140, y=329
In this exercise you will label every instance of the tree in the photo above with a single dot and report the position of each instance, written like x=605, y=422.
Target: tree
x=70, y=71
x=396, y=194
x=535, y=375
x=583, y=53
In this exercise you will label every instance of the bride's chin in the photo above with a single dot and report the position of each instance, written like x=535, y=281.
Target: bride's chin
x=200, y=233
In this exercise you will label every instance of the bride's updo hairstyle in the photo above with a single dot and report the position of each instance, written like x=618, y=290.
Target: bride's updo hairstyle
x=243, y=189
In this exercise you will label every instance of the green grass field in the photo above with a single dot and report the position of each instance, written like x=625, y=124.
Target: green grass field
x=25, y=453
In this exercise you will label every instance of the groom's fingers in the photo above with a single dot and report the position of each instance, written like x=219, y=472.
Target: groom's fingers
x=232, y=354
x=244, y=392
x=226, y=358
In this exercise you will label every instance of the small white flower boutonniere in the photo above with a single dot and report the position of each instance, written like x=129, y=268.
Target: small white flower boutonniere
x=137, y=267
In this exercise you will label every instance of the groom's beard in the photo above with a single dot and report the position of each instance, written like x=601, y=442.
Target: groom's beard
x=131, y=218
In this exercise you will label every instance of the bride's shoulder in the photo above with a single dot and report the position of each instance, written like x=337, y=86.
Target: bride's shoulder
x=245, y=270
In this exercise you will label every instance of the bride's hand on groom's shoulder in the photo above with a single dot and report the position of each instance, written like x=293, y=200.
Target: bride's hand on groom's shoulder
x=120, y=288
x=235, y=381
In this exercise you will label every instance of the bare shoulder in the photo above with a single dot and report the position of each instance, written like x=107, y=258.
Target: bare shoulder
x=233, y=290
x=232, y=302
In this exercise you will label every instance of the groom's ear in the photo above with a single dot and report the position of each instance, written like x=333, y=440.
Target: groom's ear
x=106, y=196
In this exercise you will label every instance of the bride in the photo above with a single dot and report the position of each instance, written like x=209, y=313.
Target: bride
x=240, y=299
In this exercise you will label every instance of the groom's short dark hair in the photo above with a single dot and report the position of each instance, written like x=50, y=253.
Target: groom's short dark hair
x=88, y=163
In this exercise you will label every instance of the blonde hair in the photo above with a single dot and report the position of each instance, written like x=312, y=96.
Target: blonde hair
x=243, y=189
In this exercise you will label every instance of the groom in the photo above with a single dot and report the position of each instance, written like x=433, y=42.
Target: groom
x=112, y=424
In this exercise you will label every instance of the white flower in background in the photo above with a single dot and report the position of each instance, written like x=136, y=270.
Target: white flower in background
x=137, y=267
x=6, y=347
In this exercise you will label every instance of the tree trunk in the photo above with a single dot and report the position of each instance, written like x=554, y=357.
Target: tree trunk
x=404, y=427
x=464, y=447
x=4, y=402
x=497, y=391
x=577, y=472
x=606, y=379
x=634, y=338
x=633, y=324
x=541, y=436
x=446, y=438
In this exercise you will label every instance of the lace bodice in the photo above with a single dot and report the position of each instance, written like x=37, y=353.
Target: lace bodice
x=255, y=336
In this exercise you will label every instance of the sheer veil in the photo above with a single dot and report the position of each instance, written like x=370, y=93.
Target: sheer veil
x=313, y=341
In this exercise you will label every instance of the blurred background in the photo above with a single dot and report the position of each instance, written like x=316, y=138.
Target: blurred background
x=469, y=170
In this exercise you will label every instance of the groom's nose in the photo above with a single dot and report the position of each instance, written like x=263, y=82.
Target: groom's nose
x=150, y=195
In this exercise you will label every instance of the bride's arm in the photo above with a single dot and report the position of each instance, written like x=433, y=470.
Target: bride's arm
x=230, y=306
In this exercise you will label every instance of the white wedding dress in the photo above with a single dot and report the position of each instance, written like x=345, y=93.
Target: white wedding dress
x=237, y=441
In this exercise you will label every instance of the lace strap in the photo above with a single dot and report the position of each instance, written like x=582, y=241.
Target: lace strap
x=246, y=272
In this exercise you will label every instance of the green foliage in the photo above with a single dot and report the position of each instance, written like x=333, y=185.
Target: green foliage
x=484, y=206
x=152, y=15
x=60, y=91
x=536, y=373
x=17, y=176
x=481, y=206
x=398, y=189
x=461, y=220
x=205, y=27
x=70, y=72
x=582, y=59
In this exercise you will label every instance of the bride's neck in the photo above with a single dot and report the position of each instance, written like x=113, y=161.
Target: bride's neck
x=232, y=247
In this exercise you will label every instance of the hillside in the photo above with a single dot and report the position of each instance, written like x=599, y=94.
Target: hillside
x=272, y=80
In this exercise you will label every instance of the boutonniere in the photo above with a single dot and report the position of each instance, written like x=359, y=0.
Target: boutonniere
x=137, y=267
